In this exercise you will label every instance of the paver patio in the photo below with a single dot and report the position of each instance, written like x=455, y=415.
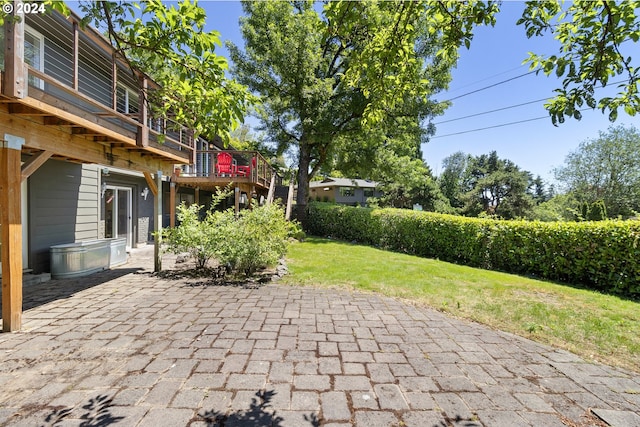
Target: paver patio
x=128, y=348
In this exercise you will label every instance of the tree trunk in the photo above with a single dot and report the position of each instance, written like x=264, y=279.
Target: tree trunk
x=303, y=183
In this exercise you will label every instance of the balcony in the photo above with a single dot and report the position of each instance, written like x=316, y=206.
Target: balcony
x=71, y=87
x=245, y=169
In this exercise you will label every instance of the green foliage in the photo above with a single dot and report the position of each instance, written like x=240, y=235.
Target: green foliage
x=597, y=211
x=561, y=207
x=604, y=255
x=168, y=42
x=257, y=238
x=337, y=88
x=606, y=168
x=204, y=239
x=595, y=40
x=487, y=186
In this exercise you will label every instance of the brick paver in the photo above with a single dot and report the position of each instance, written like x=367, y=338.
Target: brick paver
x=131, y=348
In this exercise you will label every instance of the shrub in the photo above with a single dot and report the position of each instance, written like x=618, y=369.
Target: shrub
x=204, y=239
x=604, y=255
x=257, y=238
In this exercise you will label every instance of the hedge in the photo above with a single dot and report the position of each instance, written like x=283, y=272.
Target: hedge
x=603, y=255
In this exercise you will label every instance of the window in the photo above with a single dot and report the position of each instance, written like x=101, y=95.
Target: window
x=347, y=192
x=33, y=53
x=127, y=100
x=368, y=192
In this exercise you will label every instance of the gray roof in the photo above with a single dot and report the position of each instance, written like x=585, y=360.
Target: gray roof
x=343, y=182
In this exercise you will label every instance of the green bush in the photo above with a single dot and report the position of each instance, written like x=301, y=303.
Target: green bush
x=604, y=255
x=204, y=239
x=257, y=238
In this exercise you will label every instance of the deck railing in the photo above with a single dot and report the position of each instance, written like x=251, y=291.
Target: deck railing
x=246, y=166
x=166, y=132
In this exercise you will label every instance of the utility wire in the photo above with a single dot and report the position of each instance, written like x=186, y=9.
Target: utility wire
x=496, y=126
x=485, y=79
x=507, y=108
x=490, y=86
x=491, y=111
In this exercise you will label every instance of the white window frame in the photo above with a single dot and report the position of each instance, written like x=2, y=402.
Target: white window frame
x=128, y=93
x=37, y=35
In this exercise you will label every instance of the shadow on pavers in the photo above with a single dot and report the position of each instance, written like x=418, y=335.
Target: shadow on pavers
x=258, y=414
x=95, y=413
x=52, y=290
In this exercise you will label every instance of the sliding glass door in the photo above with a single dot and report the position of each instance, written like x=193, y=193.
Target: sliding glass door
x=118, y=221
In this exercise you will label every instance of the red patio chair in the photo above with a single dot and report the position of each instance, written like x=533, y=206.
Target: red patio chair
x=225, y=165
x=245, y=170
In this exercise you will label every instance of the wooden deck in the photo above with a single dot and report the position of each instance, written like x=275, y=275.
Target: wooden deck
x=249, y=169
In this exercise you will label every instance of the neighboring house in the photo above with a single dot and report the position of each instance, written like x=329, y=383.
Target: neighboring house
x=346, y=191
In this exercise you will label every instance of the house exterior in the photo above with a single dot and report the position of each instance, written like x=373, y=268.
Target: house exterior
x=80, y=156
x=345, y=191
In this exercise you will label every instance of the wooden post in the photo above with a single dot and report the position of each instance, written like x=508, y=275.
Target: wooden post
x=172, y=204
x=287, y=214
x=142, y=137
x=250, y=191
x=197, y=196
x=11, y=235
x=157, y=213
x=237, y=200
x=272, y=189
x=15, y=74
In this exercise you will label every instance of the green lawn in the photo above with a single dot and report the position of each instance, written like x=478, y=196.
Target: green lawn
x=595, y=326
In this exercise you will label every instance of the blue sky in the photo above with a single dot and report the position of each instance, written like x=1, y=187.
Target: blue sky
x=496, y=55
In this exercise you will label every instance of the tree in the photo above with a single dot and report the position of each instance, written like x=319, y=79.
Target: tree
x=451, y=179
x=562, y=207
x=323, y=77
x=606, y=168
x=408, y=182
x=496, y=187
x=592, y=37
x=169, y=43
x=538, y=192
x=310, y=73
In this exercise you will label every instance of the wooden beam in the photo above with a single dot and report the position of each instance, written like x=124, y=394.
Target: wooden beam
x=272, y=189
x=11, y=234
x=25, y=110
x=142, y=137
x=55, y=121
x=63, y=144
x=157, y=224
x=151, y=183
x=54, y=107
x=287, y=214
x=32, y=165
x=15, y=81
x=172, y=204
x=236, y=199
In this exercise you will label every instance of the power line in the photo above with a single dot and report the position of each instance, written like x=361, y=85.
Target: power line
x=490, y=86
x=496, y=126
x=509, y=107
x=491, y=111
x=486, y=78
